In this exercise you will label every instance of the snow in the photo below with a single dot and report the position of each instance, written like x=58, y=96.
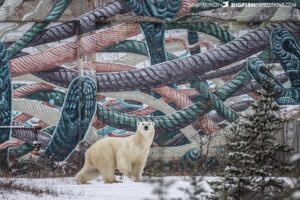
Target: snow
x=96, y=190
x=295, y=157
x=296, y=195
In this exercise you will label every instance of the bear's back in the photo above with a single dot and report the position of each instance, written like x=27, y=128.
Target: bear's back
x=105, y=144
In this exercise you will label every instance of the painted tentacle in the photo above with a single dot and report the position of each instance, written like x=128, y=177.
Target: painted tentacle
x=154, y=31
x=234, y=84
x=20, y=151
x=101, y=67
x=10, y=143
x=154, y=34
x=52, y=97
x=237, y=107
x=166, y=92
x=219, y=106
x=254, y=86
x=124, y=46
x=23, y=117
x=189, y=92
x=139, y=47
x=41, y=111
x=158, y=56
x=241, y=106
x=190, y=46
x=182, y=101
x=27, y=37
x=284, y=96
x=86, y=23
x=136, y=6
x=171, y=122
x=31, y=89
x=209, y=28
x=121, y=106
x=129, y=46
x=62, y=77
x=286, y=49
x=133, y=46
x=193, y=38
x=158, y=104
x=64, y=53
x=56, y=97
x=260, y=73
x=81, y=24
x=206, y=125
x=5, y=103
x=30, y=135
x=143, y=112
x=179, y=69
x=220, y=33
x=160, y=9
x=184, y=69
x=76, y=117
x=41, y=92
x=240, y=79
x=222, y=94
x=42, y=137
x=223, y=72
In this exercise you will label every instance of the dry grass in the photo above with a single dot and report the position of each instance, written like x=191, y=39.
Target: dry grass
x=10, y=185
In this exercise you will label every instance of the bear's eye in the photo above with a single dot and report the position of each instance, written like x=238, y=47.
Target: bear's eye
x=143, y=124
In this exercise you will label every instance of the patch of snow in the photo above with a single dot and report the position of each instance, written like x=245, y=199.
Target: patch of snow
x=296, y=195
x=295, y=157
x=96, y=190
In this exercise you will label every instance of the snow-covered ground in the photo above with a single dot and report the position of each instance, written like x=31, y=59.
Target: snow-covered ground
x=97, y=190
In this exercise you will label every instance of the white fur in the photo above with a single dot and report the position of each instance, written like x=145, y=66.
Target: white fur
x=128, y=155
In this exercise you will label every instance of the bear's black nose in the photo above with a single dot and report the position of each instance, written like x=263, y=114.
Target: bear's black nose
x=146, y=128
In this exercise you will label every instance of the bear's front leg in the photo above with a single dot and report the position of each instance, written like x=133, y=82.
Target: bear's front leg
x=124, y=166
x=138, y=168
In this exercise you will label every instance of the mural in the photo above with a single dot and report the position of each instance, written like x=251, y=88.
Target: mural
x=86, y=70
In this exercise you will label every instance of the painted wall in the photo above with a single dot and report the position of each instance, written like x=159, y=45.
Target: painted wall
x=86, y=70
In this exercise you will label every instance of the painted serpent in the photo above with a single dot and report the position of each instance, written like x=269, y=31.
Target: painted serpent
x=286, y=49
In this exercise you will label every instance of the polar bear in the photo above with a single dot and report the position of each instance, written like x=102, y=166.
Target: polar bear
x=128, y=155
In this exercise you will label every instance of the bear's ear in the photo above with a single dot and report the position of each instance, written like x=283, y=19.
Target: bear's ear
x=152, y=123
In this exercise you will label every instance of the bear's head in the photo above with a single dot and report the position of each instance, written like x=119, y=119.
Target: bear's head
x=146, y=129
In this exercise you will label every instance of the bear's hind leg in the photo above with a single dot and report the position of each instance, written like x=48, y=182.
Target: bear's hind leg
x=86, y=174
x=108, y=174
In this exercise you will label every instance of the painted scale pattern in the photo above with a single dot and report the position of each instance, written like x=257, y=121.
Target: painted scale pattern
x=286, y=49
x=179, y=69
x=76, y=117
x=5, y=103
